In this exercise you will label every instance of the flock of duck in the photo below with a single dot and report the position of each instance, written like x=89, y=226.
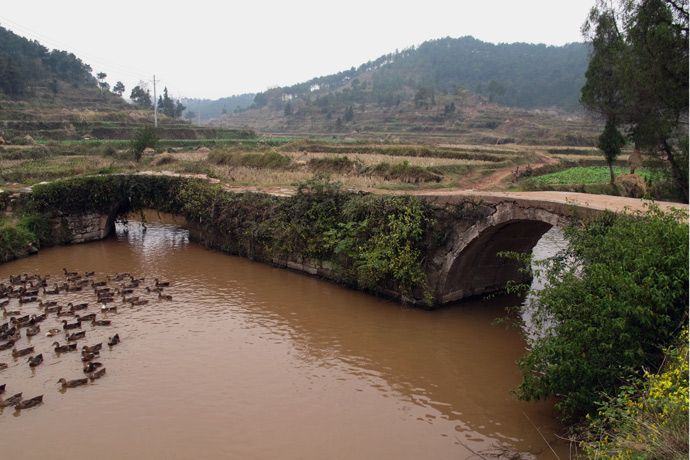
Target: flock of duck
x=29, y=302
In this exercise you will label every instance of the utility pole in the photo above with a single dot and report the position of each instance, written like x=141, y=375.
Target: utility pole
x=155, y=103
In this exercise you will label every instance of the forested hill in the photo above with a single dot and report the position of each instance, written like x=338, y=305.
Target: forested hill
x=26, y=64
x=518, y=75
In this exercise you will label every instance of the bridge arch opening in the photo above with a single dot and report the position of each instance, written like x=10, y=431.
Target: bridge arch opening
x=476, y=269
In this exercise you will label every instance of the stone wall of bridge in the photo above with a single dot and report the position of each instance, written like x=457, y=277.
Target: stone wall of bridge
x=463, y=264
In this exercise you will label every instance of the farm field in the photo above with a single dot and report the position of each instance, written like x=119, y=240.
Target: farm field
x=279, y=164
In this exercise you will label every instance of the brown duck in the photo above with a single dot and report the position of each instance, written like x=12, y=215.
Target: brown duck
x=75, y=336
x=35, y=360
x=101, y=322
x=92, y=348
x=23, y=352
x=27, y=403
x=98, y=374
x=85, y=318
x=86, y=357
x=33, y=330
x=12, y=400
x=91, y=366
x=73, y=383
x=64, y=348
x=66, y=326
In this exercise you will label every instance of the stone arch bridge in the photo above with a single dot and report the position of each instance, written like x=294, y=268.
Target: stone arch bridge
x=467, y=265
x=464, y=264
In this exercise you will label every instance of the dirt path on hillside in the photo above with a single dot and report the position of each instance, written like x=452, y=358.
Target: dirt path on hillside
x=489, y=187
x=496, y=178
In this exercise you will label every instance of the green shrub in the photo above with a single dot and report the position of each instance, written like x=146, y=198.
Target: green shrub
x=108, y=150
x=340, y=164
x=13, y=239
x=39, y=226
x=268, y=160
x=613, y=302
x=145, y=137
x=405, y=172
x=31, y=153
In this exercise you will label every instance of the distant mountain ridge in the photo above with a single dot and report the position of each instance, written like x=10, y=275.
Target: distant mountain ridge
x=447, y=85
x=516, y=75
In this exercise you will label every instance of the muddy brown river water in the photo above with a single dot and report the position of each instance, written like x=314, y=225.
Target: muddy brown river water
x=252, y=362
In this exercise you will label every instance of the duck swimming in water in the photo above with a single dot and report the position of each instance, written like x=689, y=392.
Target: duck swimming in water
x=101, y=322
x=86, y=357
x=67, y=326
x=98, y=374
x=75, y=336
x=33, y=330
x=35, y=360
x=73, y=383
x=23, y=352
x=11, y=312
x=79, y=306
x=92, y=348
x=64, y=348
x=114, y=340
x=11, y=401
x=91, y=366
x=27, y=403
x=85, y=318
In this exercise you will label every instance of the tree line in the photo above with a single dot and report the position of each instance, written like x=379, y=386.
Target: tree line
x=26, y=63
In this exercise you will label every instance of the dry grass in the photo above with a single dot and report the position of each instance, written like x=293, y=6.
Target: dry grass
x=27, y=171
x=372, y=159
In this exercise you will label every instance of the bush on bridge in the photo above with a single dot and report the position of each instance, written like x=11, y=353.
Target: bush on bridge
x=107, y=193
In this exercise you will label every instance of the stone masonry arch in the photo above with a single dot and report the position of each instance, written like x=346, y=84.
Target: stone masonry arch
x=471, y=266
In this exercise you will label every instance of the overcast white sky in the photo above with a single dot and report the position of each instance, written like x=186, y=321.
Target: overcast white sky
x=212, y=49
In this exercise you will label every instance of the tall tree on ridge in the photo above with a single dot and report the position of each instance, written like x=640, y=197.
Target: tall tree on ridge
x=638, y=75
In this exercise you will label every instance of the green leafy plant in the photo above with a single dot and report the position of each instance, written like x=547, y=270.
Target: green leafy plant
x=145, y=137
x=13, y=239
x=613, y=302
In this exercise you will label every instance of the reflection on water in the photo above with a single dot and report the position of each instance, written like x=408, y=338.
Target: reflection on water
x=248, y=361
x=549, y=245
